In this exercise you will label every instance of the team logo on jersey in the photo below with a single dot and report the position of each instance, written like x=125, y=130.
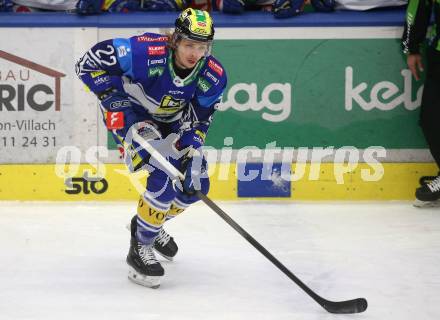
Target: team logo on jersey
x=215, y=67
x=170, y=105
x=156, y=50
x=151, y=39
x=156, y=71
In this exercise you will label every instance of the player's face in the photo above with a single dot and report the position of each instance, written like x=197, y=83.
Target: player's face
x=189, y=52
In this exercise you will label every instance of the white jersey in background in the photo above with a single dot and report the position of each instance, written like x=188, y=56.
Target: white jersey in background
x=57, y=5
x=368, y=4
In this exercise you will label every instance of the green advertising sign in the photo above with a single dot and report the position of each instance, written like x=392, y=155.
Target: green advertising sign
x=307, y=93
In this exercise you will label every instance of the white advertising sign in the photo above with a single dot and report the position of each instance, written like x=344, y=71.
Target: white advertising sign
x=42, y=105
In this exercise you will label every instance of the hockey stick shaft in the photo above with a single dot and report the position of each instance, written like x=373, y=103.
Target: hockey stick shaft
x=349, y=306
x=256, y=244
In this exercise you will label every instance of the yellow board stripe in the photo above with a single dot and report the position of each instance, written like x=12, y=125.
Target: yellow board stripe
x=46, y=182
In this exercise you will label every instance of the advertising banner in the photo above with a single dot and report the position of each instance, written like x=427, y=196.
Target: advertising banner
x=339, y=92
x=317, y=92
x=42, y=107
x=299, y=89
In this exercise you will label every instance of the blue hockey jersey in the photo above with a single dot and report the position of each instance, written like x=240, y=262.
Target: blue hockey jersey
x=142, y=67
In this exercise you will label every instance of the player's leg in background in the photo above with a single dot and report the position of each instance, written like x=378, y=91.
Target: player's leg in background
x=164, y=244
x=429, y=193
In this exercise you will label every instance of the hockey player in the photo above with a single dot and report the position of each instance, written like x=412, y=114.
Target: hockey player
x=417, y=22
x=163, y=86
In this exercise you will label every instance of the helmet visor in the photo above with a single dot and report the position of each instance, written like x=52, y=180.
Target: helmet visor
x=179, y=36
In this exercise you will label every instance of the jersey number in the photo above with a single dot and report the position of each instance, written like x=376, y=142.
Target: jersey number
x=106, y=57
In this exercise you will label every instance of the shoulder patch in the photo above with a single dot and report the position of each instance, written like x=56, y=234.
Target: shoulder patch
x=146, y=38
x=123, y=47
x=215, y=67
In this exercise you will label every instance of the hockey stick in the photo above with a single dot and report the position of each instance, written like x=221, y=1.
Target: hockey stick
x=340, y=307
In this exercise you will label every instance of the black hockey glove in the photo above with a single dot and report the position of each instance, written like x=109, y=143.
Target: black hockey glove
x=324, y=5
x=89, y=7
x=196, y=170
x=287, y=8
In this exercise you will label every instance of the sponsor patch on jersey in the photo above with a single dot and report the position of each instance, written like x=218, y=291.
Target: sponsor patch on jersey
x=178, y=82
x=176, y=92
x=215, y=67
x=151, y=39
x=156, y=71
x=115, y=120
x=203, y=85
x=152, y=62
x=201, y=136
x=120, y=104
x=97, y=73
x=211, y=76
x=156, y=50
x=101, y=80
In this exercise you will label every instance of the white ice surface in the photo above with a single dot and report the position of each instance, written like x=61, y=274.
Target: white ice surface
x=67, y=261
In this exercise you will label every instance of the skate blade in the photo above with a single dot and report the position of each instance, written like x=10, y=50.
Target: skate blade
x=166, y=257
x=143, y=280
x=426, y=204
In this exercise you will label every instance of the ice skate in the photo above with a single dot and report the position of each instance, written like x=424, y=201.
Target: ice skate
x=144, y=269
x=164, y=245
x=428, y=195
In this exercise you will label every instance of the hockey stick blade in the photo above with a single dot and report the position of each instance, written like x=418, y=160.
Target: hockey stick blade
x=344, y=307
x=337, y=307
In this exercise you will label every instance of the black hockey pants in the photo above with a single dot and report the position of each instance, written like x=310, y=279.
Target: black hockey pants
x=430, y=109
